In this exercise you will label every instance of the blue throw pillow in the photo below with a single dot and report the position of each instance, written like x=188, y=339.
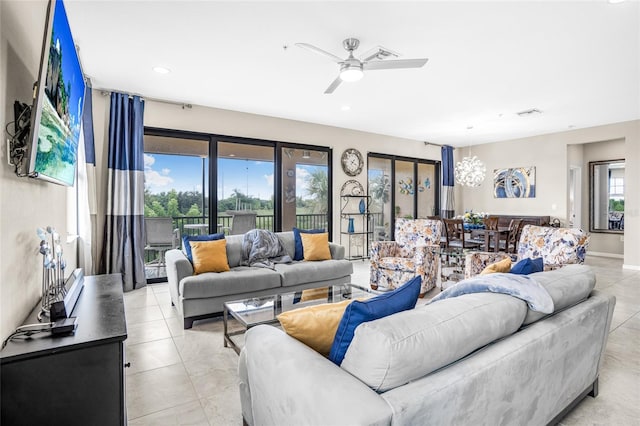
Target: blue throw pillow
x=299, y=251
x=528, y=266
x=187, y=238
x=357, y=312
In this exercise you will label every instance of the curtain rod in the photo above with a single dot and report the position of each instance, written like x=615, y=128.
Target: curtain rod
x=427, y=143
x=107, y=92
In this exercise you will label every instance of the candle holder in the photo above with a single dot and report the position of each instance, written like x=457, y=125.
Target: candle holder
x=53, y=265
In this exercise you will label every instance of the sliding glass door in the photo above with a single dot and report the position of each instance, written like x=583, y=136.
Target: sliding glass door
x=401, y=187
x=305, y=201
x=208, y=183
x=245, y=175
x=176, y=188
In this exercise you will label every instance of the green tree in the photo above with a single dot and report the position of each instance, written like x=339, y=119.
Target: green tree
x=318, y=188
x=158, y=209
x=173, y=209
x=194, y=210
x=149, y=212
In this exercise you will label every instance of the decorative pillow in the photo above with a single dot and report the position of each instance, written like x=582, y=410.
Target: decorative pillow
x=315, y=326
x=316, y=246
x=209, y=256
x=503, y=266
x=401, y=299
x=187, y=238
x=299, y=250
x=528, y=266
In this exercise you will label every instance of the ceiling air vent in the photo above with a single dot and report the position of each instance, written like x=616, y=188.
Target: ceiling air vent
x=529, y=112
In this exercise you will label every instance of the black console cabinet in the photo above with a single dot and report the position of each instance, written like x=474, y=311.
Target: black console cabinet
x=70, y=380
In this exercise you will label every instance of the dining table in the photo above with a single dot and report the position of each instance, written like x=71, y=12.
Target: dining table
x=501, y=233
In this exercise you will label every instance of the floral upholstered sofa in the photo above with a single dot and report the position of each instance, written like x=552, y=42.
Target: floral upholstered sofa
x=556, y=246
x=412, y=253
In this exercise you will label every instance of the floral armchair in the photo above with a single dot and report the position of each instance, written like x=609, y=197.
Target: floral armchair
x=414, y=252
x=556, y=246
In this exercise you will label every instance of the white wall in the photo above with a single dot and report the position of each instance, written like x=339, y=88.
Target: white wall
x=552, y=155
x=25, y=204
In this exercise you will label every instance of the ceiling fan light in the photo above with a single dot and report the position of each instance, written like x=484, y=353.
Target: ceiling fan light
x=351, y=73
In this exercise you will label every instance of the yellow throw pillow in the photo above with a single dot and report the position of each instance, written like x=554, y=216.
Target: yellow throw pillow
x=209, y=256
x=316, y=246
x=316, y=325
x=503, y=266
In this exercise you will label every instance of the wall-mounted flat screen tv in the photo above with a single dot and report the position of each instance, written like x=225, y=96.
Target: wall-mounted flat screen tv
x=59, y=98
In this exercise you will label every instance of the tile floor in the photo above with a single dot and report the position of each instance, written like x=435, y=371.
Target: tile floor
x=180, y=377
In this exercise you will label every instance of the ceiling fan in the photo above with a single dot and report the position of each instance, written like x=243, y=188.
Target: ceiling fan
x=352, y=68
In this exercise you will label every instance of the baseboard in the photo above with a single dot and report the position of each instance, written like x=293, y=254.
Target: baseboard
x=632, y=267
x=602, y=254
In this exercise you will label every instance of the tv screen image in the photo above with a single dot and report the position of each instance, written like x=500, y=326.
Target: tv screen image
x=58, y=104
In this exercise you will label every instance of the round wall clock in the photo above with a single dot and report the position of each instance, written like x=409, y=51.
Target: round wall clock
x=352, y=162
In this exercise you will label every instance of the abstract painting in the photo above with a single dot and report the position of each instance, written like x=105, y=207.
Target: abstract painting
x=519, y=182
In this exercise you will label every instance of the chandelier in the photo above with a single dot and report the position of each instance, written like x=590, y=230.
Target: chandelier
x=470, y=171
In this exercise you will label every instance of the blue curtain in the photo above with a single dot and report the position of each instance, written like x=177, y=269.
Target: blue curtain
x=448, y=201
x=124, y=229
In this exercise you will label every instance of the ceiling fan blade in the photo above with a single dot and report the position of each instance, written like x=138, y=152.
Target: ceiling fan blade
x=319, y=51
x=378, y=52
x=395, y=64
x=333, y=86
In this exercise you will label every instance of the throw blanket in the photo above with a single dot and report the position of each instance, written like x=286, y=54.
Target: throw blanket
x=521, y=286
x=262, y=248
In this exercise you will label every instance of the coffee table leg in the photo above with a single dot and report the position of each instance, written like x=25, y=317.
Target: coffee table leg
x=225, y=318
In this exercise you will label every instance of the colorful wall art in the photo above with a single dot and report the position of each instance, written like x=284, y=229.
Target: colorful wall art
x=519, y=182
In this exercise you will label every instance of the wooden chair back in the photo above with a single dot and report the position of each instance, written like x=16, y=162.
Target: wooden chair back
x=491, y=222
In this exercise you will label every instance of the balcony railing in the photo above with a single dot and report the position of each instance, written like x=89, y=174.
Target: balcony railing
x=303, y=221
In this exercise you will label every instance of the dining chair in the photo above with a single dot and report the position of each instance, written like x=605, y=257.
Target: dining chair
x=490, y=222
x=511, y=243
x=454, y=231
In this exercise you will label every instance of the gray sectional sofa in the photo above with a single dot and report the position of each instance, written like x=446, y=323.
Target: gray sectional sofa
x=476, y=359
x=202, y=296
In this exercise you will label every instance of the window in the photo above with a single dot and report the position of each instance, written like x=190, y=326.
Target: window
x=616, y=187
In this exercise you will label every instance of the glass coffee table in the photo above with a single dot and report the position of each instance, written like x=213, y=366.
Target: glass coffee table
x=264, y=310
x=452, y=265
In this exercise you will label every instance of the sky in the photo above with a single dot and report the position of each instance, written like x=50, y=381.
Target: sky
x=184, y=173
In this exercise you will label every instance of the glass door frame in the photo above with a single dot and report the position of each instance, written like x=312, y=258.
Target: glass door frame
x=281, y=146
x=278, y=147
x=392, y=196
x=182, y=134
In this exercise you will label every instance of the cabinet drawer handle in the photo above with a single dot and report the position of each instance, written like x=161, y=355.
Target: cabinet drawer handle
x=127, y=365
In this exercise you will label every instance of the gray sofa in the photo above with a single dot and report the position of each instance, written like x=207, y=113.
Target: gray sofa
x=477, y=359
x=202, y=296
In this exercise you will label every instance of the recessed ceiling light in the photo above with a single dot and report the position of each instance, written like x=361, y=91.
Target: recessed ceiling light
x=161, y=70
x=345, y=107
